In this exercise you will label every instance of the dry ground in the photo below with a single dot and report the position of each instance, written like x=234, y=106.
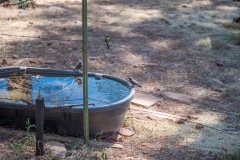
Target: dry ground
x=194, y=42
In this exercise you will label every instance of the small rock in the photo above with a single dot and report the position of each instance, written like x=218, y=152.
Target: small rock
x=4, y=61
x=49, y=44
x=79, y=23
x=126, y=132
x=33, y=60
x=115, y=137
x=178, y=121
x=50, y=62
x=57, y=150
x=177, y=97
x=199, y=127
x=119, y=146
x=157, y=89
x=158, y=103
x=218, y=63
x=152, y=117
x=15, y=56
x=135, y=66
x=24, y=13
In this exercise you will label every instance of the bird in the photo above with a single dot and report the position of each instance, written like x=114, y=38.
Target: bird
x=134, y=82
x=236, y=20
x=78, y=80
x=79, y=66
x=107, y=41
x=97, y=77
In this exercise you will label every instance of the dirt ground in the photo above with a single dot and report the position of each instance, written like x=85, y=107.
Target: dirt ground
x=194, y=43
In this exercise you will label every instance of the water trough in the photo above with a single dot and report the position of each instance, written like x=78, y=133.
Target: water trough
x=109, y=99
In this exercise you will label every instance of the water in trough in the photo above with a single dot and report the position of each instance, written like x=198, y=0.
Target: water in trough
x=60, y=90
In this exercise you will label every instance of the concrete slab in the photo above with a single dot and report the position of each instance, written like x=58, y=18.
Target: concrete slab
x=145, y=100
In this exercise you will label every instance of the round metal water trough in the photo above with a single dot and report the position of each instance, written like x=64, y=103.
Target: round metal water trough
x=109, y=99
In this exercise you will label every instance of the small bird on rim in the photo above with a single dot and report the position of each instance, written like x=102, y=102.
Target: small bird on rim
x=107, y=41
x=79, y=66
x=134, y=82
x=79, y=81
x=97, y=77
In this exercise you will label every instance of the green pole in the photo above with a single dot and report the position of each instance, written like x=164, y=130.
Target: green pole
x=85, y=72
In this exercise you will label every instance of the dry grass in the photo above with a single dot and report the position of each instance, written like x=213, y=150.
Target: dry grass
x=185, y=38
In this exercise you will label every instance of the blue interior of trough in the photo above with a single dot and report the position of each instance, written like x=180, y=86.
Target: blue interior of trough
x=109, y=99
x=63, y=90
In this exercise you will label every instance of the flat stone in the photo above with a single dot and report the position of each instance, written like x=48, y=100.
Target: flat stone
x=145, y=100
x=178, y=97
x=126, y=132
x=57, y=150
x=119, y=146
x=4, y=61
x=15, y=56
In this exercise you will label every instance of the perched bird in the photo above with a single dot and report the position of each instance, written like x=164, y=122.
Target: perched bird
x=107, y=41
x=134, y=82
x=97, y=77
x=79, y=66
x=236, y=20
x=78, y=80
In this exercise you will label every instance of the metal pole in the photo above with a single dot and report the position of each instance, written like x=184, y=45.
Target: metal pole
x=85, y=72
x=39, y=125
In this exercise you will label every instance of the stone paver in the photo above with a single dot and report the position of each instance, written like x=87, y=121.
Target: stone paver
x=177, y=97
x=145, y=100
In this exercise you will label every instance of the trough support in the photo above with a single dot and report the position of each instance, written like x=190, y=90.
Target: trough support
x=39, y=125
x=85, y=72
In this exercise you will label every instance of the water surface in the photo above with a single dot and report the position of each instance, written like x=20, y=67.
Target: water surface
x=61, y=90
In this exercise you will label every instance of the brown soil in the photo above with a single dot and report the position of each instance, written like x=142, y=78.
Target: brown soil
x=194, y=42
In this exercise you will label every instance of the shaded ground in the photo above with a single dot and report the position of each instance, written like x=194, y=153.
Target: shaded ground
x=194, y=43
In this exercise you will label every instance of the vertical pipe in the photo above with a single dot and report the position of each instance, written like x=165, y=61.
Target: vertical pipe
x=39, y=125
x=85, y=72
